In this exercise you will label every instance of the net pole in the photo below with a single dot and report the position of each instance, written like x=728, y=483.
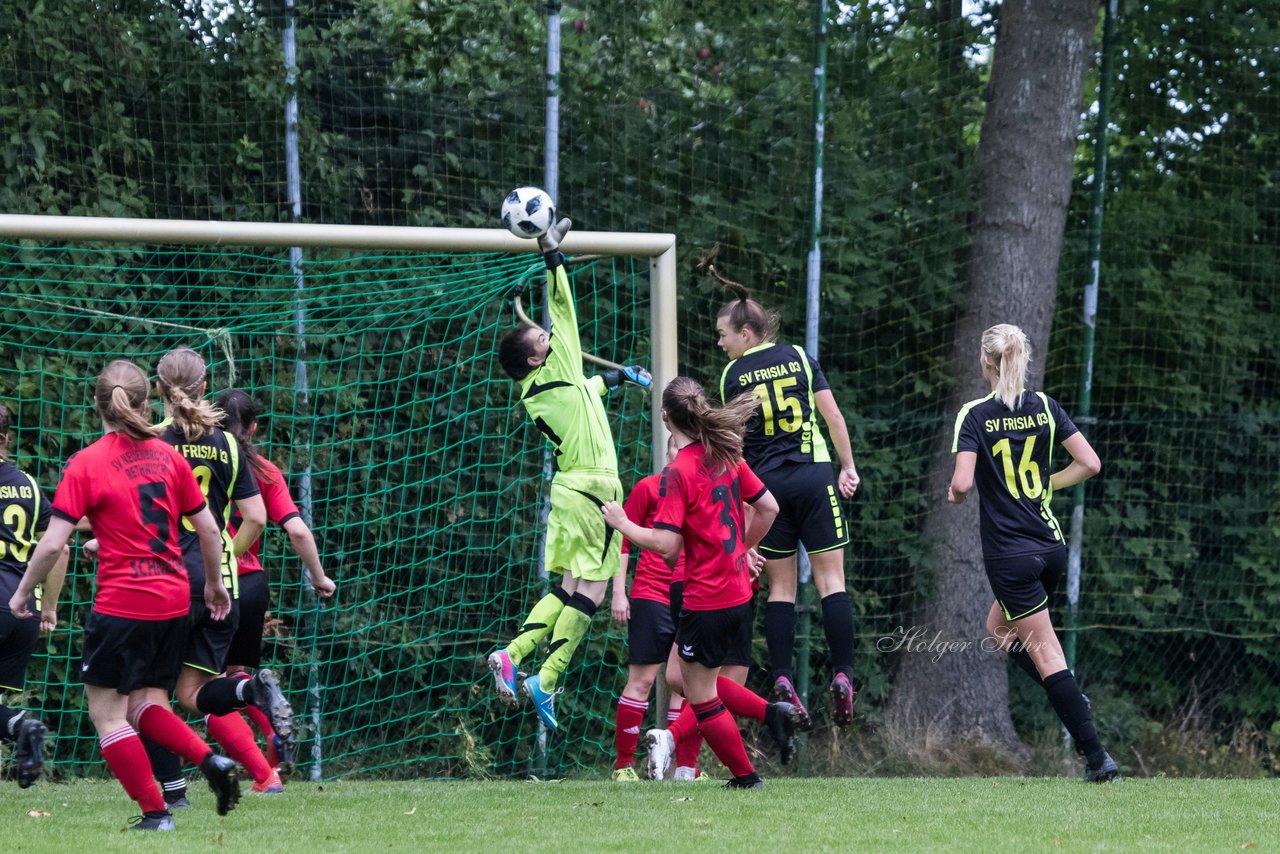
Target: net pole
x=550, y=183
x=813, y=307
x=1075, y=538
x=293, y=179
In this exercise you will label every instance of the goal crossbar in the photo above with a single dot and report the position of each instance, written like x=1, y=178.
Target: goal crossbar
x=660, y=249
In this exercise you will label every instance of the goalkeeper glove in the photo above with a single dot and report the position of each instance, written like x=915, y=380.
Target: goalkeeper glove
x=549, y=243
x=615, y=377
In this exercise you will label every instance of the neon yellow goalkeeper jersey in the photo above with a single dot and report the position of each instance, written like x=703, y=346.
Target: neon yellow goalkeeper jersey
x=565, y=406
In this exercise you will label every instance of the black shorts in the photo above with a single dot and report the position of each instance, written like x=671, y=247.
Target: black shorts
x=677, y=601
x=210, y=639
x=809, y=511
x=18, y=639
x=650, y=632
x=1022, y=584
x=711, y=638
x=255, y=598
x=127, y=654
x=741, y=653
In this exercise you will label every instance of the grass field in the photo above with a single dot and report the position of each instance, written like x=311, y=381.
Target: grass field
x=789, y=814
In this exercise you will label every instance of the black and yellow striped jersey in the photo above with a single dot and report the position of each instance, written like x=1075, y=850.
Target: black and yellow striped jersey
x=24, y=514
x=564, y=405
x=784, y=378
x=1015, y=461
x=224, y=474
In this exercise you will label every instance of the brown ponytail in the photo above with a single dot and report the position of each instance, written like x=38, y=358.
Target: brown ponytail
x=181, y=373
x=121, y=396
x=719, y=428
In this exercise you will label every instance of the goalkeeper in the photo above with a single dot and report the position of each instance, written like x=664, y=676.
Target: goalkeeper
x=566, y=407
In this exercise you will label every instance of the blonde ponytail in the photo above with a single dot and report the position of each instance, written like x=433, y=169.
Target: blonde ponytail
x=181, y=374
x=1006, y=349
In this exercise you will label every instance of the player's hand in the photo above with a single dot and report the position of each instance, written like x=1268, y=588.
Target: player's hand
x=635, y=374
x=18, y=604
x=953, y=498
x=48, y=620
x=91, y=548
x=549, y=243
x=614, y=515
x=848, y=481
x=755, y=563
x=620, y=609
x=217, y=600
x=323, y=586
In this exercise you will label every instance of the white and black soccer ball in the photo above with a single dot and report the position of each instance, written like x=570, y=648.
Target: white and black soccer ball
x=528, y=212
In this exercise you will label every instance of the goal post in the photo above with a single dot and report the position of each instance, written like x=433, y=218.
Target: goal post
x=375, y=357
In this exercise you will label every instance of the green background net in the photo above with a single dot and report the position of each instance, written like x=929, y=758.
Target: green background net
x=694, y=119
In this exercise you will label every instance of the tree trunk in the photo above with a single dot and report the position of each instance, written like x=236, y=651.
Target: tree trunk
x=949, y=699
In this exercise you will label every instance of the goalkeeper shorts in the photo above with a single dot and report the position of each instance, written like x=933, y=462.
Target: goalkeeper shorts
x=578, y=540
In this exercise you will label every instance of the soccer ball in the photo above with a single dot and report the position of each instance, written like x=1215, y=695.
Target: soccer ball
x=528, y=212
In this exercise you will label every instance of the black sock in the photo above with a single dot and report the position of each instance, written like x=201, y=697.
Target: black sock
x=837, y=622
x=218, y=696
x=7, y=716
x=780, y=636
x=1068, y=702
x=562, y=594
x=167, y=768
x=1022, y=658
x=582, y=603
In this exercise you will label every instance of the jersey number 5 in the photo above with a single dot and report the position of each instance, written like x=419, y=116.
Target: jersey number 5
x=1028, y=469
x=154, y=515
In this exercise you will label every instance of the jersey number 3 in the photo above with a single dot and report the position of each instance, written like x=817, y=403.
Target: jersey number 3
x=1028, y=473
x=727, y=497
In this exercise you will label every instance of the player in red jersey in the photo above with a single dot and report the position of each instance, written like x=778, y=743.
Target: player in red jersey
x=651, y=625
x=700, y=512
x=240, y=419
x=135, y=491
x=24, y=516
x=221, y=468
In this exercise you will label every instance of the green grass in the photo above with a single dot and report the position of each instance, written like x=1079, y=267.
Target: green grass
x=790, y=815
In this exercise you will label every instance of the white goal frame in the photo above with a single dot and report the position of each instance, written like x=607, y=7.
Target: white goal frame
x=660, y=249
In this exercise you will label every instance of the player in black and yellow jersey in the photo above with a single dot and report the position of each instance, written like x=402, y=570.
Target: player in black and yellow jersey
x=566, y=407
x=224, y=475
x=24, y=515
x=785, y=447
x=1004, y=444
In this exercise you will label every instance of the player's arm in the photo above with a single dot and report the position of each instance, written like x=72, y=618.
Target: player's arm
x=304, y=545
x=962, y=477
x=51, y=548
x=1084, y=463
x=53, y=584
x=216, y=597
x=665, y=542
x=620, y=605
x=253, y=515
x=848, y=479
x=565, y=358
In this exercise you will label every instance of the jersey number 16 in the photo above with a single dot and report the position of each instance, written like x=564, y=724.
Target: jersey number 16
x=1028, y=473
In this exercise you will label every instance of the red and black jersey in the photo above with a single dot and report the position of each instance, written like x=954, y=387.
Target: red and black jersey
x=135, y=493
x=1015, y=461
x=24, y=513
x=652, y=577
x=220, y=466
x=706, y=509
x=280, y=509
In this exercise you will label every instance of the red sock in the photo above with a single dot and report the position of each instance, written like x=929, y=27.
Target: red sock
x=234, y=734
x=685, y=726
x=263, y=723
x=739, y=701
x=166, y=729
x=626, y=732
x=127, y=759
x=720, y=731
x=689, y=748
